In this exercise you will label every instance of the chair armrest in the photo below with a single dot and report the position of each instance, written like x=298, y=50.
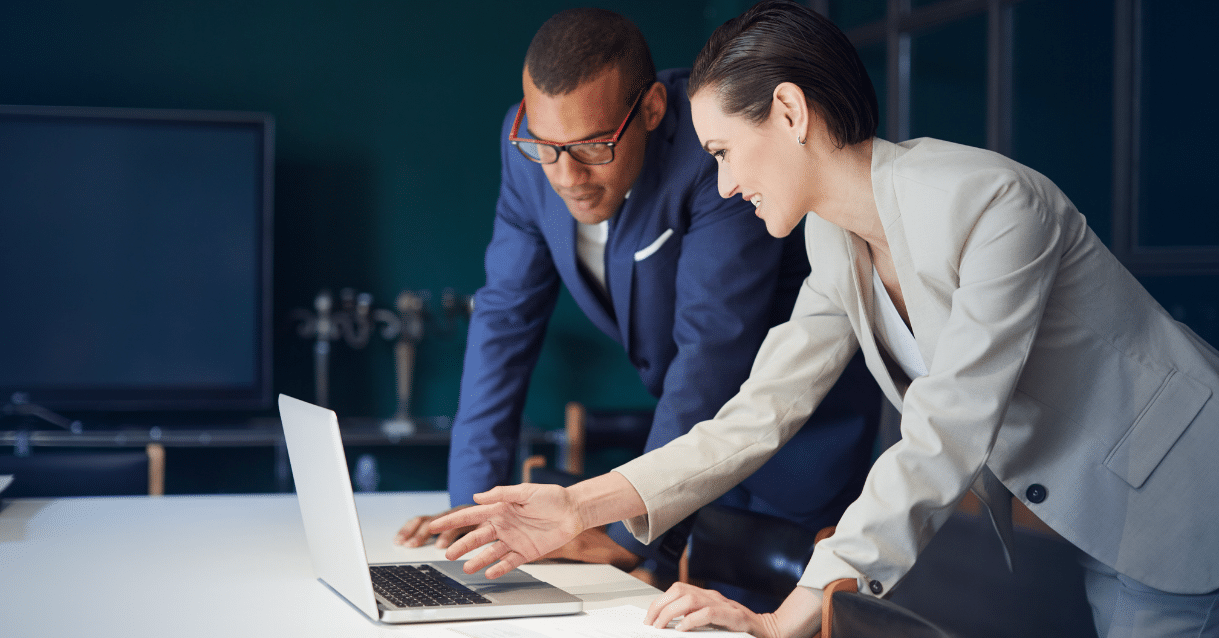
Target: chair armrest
x=827, y=602
x=529, y=465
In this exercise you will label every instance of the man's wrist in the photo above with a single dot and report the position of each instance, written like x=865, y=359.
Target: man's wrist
x=624, y=559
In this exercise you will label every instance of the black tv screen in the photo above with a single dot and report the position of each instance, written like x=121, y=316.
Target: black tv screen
x=135, y=258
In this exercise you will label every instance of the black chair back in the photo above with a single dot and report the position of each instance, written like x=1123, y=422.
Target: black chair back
x=768, y=553
x=56, y=474
x=860, y=616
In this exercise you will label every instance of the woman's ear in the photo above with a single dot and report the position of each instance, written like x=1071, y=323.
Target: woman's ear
x=789, y=110
x=655, y=101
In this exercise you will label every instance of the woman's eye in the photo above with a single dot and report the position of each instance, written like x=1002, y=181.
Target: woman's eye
x=719, y=155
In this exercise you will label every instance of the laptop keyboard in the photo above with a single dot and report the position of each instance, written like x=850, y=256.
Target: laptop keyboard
x=420, y=586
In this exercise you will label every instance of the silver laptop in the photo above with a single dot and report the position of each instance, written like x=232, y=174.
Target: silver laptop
x=394, y=592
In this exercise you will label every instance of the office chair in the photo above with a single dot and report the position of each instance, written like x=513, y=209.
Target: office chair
x=624, y=432
x=758, y=552
x=846, y=613
x=768, y=554
x=60, y=474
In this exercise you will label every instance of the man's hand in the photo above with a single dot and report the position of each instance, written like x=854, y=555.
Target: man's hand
x=595, y=546
x=415, y=532
x=521, y=522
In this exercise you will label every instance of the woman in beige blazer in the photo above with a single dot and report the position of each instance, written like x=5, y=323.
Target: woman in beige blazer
x=1023, y=356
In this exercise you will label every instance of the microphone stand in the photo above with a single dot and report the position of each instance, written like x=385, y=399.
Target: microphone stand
x=412, y=313
x=19, y=405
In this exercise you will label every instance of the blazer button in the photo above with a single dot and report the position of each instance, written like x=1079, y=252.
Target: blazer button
x=1036, y=493
x=876, y=587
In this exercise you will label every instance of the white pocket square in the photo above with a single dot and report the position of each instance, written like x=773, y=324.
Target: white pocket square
x=655, y=246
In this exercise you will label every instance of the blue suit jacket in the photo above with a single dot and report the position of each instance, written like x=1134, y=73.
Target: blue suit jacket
x=691, y=313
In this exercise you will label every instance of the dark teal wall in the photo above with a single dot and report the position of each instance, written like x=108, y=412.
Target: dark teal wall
x=388, y=115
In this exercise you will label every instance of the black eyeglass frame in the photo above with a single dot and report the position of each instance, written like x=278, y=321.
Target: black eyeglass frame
x=610, y=142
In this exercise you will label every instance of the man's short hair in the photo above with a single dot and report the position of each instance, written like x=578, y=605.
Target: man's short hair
x=578, y=44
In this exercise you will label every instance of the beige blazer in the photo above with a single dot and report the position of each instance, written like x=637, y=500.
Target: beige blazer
x=1048, y=363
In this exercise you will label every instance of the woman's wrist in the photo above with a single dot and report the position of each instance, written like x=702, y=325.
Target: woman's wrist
x=770, y=626
x=605, y=499
x=800, y=614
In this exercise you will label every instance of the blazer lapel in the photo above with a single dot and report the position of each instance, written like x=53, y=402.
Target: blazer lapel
x=877, y=361
x=926, y=316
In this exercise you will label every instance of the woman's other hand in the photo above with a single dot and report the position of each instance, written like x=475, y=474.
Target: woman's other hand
x=799, y=616
x=518, y=524
x=702, y=607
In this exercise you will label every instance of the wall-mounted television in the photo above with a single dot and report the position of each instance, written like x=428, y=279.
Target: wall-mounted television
x=135, y=258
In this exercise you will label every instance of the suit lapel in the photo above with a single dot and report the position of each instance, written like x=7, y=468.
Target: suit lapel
x=562, y=230
x=625, y=228
x=638, y=223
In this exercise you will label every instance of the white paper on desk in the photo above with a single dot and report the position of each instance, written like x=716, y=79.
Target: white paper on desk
x=625, y=621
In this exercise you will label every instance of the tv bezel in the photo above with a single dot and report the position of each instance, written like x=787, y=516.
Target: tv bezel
x=175, y=398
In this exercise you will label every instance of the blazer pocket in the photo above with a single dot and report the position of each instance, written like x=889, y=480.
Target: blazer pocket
x=1154, y=432
x=654, y=246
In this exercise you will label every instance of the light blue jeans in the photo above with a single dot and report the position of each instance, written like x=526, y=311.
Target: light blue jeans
x=1125, y=608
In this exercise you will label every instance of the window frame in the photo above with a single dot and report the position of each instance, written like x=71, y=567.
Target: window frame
x=901, y=23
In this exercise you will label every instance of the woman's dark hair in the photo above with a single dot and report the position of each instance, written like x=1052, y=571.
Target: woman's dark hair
x=577, y=44
x=778, y=41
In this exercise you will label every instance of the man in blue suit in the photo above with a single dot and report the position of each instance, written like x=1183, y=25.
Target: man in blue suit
x=605, y=190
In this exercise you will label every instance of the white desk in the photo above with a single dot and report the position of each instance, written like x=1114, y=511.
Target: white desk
x=213, y=566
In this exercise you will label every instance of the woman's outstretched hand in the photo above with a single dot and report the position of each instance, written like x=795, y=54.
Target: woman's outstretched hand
x=521, y=522
x=798, y=616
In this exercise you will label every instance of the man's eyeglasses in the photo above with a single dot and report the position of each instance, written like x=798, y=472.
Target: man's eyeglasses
x=594, y=152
